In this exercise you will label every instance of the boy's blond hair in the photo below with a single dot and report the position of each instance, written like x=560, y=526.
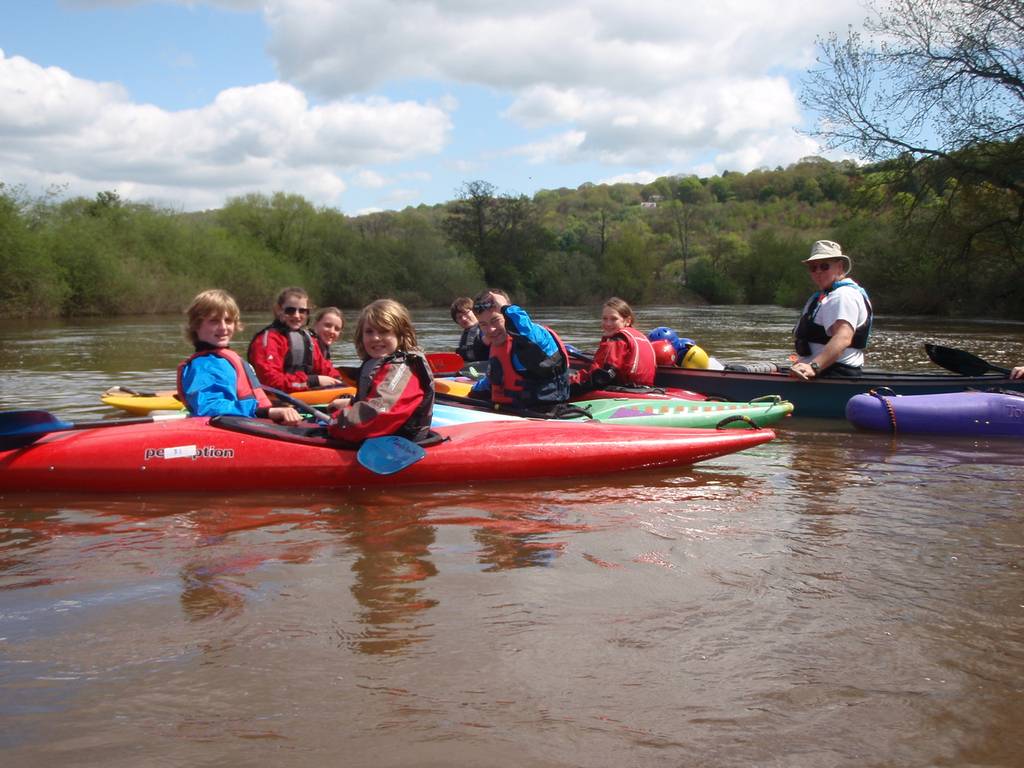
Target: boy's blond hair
x=388, y=315
x=211, y=303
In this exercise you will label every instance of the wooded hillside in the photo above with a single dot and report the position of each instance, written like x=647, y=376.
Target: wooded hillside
x=923, y=240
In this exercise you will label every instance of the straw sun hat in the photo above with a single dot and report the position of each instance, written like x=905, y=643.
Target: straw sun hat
x=827, y=249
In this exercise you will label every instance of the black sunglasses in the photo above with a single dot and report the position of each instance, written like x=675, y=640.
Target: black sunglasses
x=820, y=267
x=482, y=306
x=295, y=311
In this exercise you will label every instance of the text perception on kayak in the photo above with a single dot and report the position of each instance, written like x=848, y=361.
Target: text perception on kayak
x=189, y=452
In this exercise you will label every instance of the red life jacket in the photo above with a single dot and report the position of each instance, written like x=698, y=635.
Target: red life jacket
x=301, y=356
x=417, y=427
x=247, y=386
x=640, y=364
x=546, y=382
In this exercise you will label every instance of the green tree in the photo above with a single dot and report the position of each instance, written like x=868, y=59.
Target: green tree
x=29, y=279
x=935, y=89
x=470, y=220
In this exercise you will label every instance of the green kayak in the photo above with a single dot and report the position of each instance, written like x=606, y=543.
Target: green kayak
x=628, y=411
x=706, y=414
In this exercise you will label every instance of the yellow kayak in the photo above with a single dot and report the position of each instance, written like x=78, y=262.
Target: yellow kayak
x=453, y=387
x=142, y=403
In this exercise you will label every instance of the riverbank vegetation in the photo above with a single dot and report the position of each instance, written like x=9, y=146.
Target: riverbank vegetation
x=923, y=240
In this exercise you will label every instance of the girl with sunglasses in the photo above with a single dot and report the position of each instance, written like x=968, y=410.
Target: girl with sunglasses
x=833, y=329
x=284, y=353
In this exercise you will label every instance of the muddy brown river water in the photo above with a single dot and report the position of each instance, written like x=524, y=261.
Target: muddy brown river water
x=833, y=598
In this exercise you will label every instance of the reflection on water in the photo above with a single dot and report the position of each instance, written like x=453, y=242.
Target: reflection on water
x=833, y=598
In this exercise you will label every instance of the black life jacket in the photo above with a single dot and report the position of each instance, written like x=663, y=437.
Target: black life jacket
x=807, y=331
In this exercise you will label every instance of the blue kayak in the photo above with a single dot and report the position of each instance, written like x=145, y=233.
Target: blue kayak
x=971, y=414
x=449, y=415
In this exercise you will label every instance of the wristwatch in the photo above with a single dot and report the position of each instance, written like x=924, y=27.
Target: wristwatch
x=814, y=366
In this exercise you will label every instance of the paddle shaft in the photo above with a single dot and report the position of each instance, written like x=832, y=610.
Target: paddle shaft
x=298, y=405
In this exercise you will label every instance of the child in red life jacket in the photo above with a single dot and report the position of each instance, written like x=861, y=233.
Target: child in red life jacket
x=285, y=354
x=625, y=356
x=216, y=381
x=395, y=392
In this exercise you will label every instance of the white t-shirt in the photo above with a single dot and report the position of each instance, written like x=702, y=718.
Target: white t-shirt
x=844, y=303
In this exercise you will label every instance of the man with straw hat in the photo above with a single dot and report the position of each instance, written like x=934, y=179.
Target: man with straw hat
x=833, y=329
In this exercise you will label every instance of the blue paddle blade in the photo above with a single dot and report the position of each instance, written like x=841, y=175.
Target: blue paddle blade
x=18, y=428
x=387, y=455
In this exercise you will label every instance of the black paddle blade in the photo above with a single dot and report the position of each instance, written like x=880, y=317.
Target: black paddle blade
x=960, y=361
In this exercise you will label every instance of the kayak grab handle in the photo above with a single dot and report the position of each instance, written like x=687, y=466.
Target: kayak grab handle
x=883, y=394
x=734, y=418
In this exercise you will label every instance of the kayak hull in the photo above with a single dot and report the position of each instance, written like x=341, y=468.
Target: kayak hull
x=462, y=387
x=825, y=397
x=661, y=411
x=971, y=414
x=683, y=414
x=195, y=455
x=704, y=414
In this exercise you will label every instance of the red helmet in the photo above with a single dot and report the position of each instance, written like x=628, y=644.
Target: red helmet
x=664, y=352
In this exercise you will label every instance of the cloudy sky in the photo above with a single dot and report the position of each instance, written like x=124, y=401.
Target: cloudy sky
x=378, y=104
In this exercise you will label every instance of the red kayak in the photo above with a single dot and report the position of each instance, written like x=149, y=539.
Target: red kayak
x=232, y=454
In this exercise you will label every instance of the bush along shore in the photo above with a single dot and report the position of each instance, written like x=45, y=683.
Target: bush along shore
x=729, y=239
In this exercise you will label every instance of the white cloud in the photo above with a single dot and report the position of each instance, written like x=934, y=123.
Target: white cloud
x=561, y=148
x=624, y=129
x=55, y=128
x=637, y=177
x=336, y=48
x=399, y=197
x=640, y=83
x=370, y=179
x=770, y=151
x=694, y=87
